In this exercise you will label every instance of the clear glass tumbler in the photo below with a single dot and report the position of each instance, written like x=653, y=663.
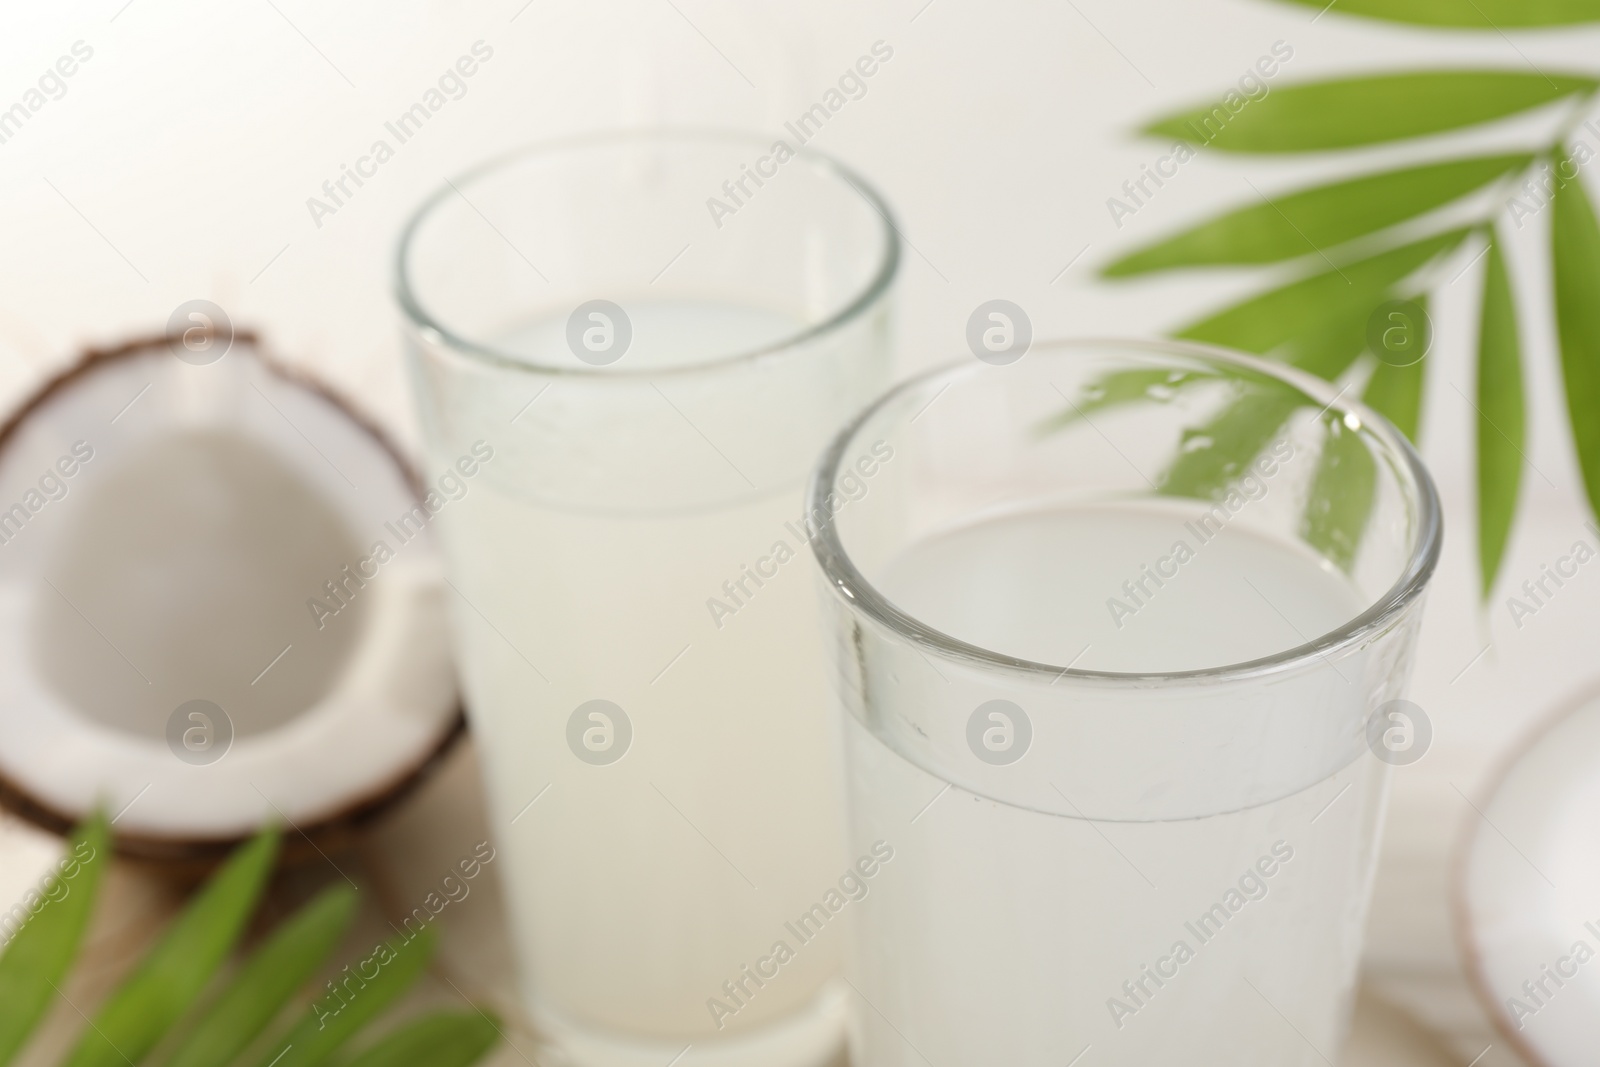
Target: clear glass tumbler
x=1120, y=631
x=628, y=351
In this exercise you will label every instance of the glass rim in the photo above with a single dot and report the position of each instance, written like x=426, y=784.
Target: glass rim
x=860, y=595
x=437, y=332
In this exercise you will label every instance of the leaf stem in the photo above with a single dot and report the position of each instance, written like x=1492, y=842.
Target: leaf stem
x=1511, y=183
x=1549, y=153
x=1579, y=110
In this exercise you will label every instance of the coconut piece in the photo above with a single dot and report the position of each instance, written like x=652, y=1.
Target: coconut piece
x=222, y=606
x=1527, y=893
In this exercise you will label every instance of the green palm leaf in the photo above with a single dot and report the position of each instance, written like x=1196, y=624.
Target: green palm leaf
x=1340, y=500
x=1328, y=348
x=356, y=999
x=1303, y=223
x=1341, y=295
x=1500, y=416
x=1575, y=255
x=1319, y=320
x=1468, y=14
x=174, y=972
x=1215, y=455
x=1316, y=116
x=445, y=1039
x=41, y=950
x=1395, y=392
x=258, y=993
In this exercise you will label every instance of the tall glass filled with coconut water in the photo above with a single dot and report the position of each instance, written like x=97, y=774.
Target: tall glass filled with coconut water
x=1121, y=632
x=629, y=350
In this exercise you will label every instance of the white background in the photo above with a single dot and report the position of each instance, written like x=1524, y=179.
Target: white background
x=179, y=162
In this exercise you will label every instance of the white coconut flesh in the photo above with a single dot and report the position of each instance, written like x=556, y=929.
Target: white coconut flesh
x=166, y=531
x=1528, y=900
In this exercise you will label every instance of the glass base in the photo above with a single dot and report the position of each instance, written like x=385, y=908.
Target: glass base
x=812, y=1037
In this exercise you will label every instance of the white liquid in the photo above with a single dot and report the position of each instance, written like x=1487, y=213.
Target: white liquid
x=1000, y=935
x=640, y=887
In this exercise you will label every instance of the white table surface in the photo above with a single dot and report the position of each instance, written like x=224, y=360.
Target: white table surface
x=397, y=865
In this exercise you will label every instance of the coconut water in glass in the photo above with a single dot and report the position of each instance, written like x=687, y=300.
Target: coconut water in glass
x=632, y=602
x=1108, y=695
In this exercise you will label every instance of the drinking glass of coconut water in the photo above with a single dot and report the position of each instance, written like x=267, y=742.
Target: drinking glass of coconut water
x=1120, y=631
x=632, y=348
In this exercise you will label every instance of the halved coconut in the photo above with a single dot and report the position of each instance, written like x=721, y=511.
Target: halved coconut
x=1527, y=898
x=220, y=605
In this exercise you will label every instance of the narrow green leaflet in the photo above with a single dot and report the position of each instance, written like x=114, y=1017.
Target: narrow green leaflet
x=1469, y=14
x=1317, y=116
x=1214, y=455
x=1328, y=348
x=279, y=968
x=1575, y=256
x=1340, y=500
x=35, y=961
x=447, y=1039
x=174, y=972
x=358, y=994
x=1268, y=320
x=1312, y=220
x=1395, y=392
x=1500, y=416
